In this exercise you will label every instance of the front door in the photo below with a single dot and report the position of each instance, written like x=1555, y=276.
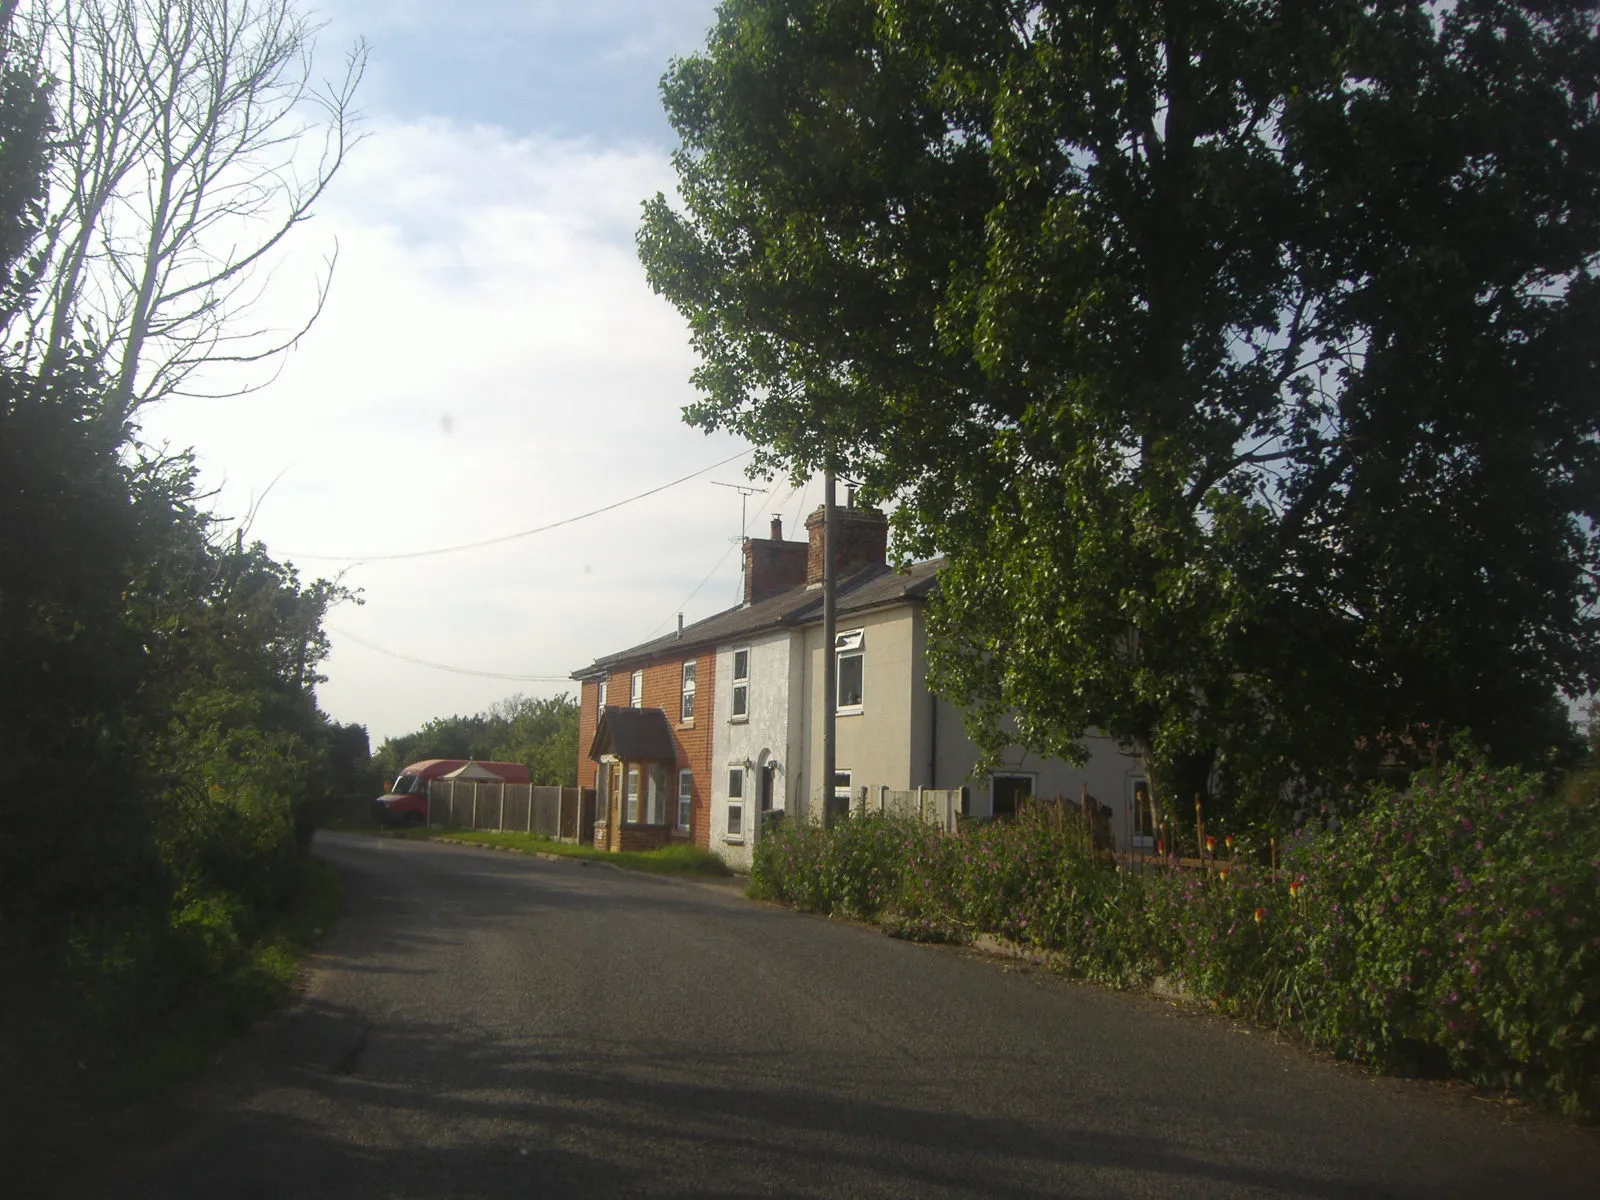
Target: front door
x=768, y=773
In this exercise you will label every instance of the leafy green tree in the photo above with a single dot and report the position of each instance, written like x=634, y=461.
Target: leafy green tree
x=1238, y=356
x=542, y=734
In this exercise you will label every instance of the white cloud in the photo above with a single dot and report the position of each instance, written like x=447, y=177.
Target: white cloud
x=490, y=360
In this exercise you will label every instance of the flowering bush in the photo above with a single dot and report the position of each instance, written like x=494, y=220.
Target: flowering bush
x=1457, y=926
x=1453, y=926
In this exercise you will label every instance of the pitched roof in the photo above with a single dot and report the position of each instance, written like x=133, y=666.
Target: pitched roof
x=471, y=769
x=871, y=587
x=635, y=735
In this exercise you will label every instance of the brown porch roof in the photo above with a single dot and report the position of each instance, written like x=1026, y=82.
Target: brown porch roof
x=634, y=735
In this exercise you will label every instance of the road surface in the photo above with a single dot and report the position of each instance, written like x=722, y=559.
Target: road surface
x=485, y=1024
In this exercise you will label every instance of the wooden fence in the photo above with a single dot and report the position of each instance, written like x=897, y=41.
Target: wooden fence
x=564, y=814
x=937, y=806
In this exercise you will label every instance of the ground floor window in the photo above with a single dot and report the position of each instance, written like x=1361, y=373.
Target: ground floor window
x=841, y=791
x=736, y=802
x=631, y=813
x=656, y=799
x=1006, y=794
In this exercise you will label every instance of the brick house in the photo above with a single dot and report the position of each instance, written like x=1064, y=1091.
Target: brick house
x=648, y=795
x=732, y=709
x=649, y=771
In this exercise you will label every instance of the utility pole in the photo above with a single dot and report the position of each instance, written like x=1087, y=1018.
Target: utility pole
x=830, y=667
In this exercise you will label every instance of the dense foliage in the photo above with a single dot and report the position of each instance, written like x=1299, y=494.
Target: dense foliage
x=542, y=734
x=165, y=759
x=1451, y=927
x=1239, y=356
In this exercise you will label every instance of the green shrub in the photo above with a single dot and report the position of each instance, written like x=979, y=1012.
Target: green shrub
x=1457, y=926
x=1450, y=927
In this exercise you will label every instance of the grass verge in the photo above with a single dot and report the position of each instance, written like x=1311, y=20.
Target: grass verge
x=73, y=1052
x=688, y=861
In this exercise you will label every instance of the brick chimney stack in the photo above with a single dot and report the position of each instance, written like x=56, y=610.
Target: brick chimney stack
x=772, y=565
x=863, y=541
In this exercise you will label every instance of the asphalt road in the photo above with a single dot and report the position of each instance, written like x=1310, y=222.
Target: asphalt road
x=486, y=1025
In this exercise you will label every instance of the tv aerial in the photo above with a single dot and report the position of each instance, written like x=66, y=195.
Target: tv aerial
x=745, y=491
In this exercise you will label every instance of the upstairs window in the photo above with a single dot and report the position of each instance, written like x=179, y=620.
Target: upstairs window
x=741, y=685
x=687, y=708
x=600, y=709
x=636, y=690
x=850, y=674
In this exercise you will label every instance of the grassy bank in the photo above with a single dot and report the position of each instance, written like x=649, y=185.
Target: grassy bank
x=671, y=860
x=119, y=1025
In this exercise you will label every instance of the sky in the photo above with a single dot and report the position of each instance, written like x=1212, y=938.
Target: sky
x=490, y=361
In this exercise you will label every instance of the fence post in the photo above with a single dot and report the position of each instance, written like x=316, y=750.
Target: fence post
x=530, y=808
x=452, y=804
x=501, y=826
x=474, y=804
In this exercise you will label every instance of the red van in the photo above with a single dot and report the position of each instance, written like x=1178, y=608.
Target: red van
x=406, y=803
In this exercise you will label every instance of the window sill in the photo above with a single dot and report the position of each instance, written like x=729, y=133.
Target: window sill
x=689, y=724
x=733, y=839
x=852, y=710
x=744, y=720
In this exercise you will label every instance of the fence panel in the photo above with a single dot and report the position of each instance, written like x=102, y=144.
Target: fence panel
x=566, y=814
x=937, y=806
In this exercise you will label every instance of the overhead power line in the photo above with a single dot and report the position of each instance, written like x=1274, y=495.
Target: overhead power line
x=511, y=537
x=423, y=662
x=737, y=541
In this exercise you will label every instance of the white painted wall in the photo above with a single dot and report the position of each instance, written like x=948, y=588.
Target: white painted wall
x=905, y=737
x=1109, y=774
x=875, y=744
x=766, y=735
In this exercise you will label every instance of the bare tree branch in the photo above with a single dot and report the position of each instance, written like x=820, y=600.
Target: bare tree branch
x=195, y=136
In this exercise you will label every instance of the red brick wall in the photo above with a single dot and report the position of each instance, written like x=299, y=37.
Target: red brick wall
x=863, y=541
x=588, y=718
x=772, y=566
x=663, y=689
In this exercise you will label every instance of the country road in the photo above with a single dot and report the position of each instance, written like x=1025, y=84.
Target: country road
x=487, y=1025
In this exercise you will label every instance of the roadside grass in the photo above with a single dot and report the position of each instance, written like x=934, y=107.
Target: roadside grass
x=74, y=1051
x=209, y=1018
x=687, y=861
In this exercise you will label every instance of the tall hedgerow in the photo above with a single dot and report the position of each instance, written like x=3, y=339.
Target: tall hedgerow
x=1452, y=926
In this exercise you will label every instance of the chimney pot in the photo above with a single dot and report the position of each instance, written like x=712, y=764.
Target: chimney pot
x=777, y=528
x=680, y=627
